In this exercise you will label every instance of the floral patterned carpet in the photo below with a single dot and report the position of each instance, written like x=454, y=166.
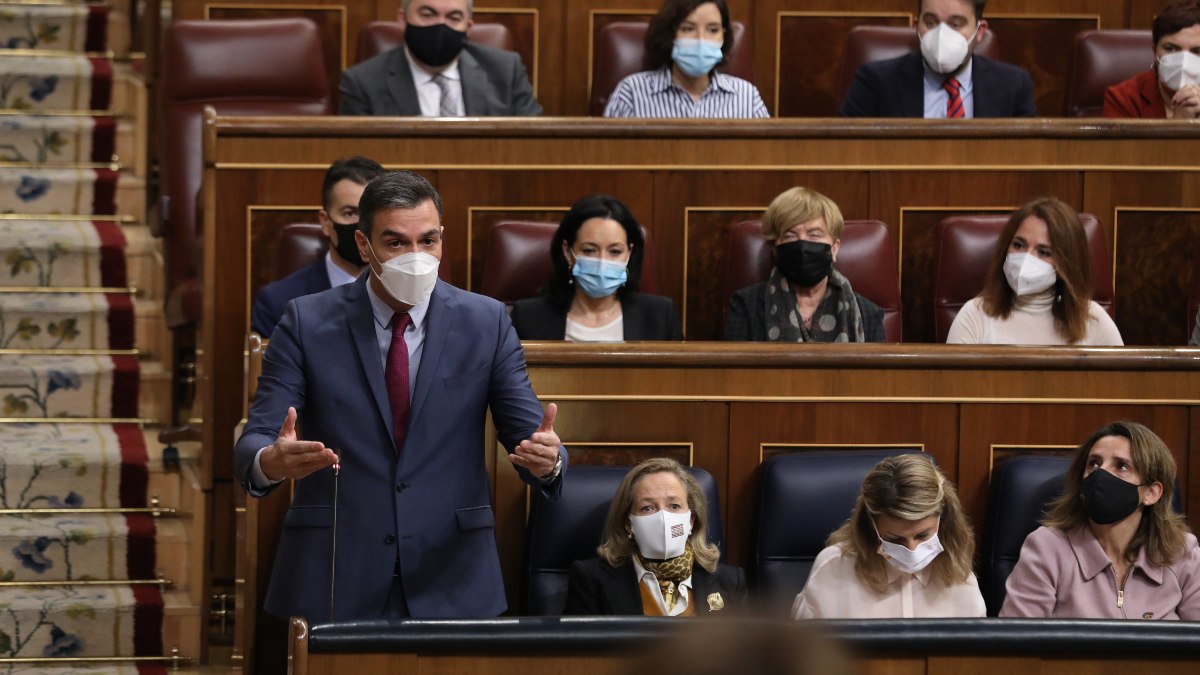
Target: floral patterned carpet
x=78, y=542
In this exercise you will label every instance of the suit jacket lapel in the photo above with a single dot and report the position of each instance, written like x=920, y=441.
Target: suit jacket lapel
x=702, y=587
x=912, y=86
x=983, y=88
x=624, y=589
x=437, y=327
x=474, y=86
x=361, y=321
x=400, y=84
x=318, y=277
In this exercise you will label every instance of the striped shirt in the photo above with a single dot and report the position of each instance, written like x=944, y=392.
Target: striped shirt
x=653, y=94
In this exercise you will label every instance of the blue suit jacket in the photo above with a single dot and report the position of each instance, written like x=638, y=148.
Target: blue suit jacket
x=895, y=88
x=274, y=297
x=428, y=505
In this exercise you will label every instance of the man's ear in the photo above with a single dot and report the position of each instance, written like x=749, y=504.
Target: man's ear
x=400, y=18
x=982, y=30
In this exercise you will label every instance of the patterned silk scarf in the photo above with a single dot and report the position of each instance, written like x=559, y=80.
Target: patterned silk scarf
x=670, y=573
x=836, y=319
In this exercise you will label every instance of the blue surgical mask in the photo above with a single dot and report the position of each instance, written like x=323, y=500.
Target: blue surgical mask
x=696, y=57
x=599, y=278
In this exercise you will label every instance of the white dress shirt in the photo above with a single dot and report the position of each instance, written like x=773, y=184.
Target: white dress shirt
x=834, y=591
x=337, y=275
x=647, y=578
x=428, y=92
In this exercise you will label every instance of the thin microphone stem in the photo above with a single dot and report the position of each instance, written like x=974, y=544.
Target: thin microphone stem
x=337, y=469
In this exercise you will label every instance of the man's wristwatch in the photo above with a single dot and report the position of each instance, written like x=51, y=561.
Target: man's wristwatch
x=557, y=470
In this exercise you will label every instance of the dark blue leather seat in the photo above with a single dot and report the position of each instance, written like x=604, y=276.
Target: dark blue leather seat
x=802, y=498
x=569, y=529
x=1022, y=487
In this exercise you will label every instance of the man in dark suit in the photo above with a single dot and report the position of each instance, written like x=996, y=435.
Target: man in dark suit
x=435, y=73
x=390, y=379
x=945, y=79
x=344, y=183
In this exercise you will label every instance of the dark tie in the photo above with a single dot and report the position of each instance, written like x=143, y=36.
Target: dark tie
x=954, y=102
x=396, y=376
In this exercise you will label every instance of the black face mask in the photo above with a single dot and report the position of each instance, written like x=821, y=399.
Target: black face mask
x=804, y=263
x=346, y=247
x=434, y=45
x=1108, y=499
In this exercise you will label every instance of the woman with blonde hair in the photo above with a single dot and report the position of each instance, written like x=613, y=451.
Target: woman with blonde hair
x=805, y=299
x=1038, y=289
x=1111, y=546
x=906, y=551
x=655, y=558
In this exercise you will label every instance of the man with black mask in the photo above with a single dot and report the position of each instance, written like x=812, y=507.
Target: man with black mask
x=343, y=186
x=805, y=299
x=436, y=72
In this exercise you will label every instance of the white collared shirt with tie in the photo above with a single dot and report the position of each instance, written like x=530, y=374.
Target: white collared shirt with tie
x=429, y=90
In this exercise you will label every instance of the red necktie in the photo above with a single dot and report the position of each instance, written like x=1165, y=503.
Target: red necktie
x=954, y=103
x=396, y=376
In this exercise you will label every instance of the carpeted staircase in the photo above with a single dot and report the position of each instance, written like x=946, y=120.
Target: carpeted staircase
x=100, y=568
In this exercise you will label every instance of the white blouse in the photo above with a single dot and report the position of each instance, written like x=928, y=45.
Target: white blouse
x=833, y=591
x=614, y=331
x=1029, y=323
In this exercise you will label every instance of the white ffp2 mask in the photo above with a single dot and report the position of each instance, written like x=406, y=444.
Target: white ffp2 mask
x=911, y=561
x=1028, y=274
x=944, y=49
x=662, y=534
x=1178, y=69
x=409, y=278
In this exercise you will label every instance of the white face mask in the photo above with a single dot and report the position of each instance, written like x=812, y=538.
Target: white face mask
x=944, y=49
x=409, y=278
x=908, y=560
x=1028, y=274
x=663, y=534
x=1178, y=69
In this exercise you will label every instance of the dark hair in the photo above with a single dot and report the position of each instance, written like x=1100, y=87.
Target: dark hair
x=1174, y=18
x=660, y=35
x=1073, y=287
x=358, y=169
x=977, y=4
x=1162, y=532
x=394, y=190
x=559, y=290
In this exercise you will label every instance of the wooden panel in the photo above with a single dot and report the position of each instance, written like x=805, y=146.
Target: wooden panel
x=808, y=67
x=707, y=240
x=1044, y=46
x=265, y=223
x=907, y=199
x=522, y=23
x=985, y=428
x=1155, y=253
x=331, y=25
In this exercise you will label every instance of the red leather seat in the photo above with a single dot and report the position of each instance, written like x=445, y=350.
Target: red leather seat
x=378, y=37
x=518, y=261
x=297, y=246
x=1103, y=58
x=865, y=44
x=866, y=257
x=621, y=53
x=964, y=252
x=253, y=67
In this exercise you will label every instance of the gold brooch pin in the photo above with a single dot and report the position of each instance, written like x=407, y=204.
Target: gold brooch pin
x=715, y=602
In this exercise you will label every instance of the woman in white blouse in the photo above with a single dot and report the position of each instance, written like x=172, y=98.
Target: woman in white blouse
x=906, y=551
x=1038, y=289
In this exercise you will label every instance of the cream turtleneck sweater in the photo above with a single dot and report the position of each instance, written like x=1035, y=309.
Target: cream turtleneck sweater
x=1030, y=323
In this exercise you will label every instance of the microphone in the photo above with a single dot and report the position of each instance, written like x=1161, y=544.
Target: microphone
x=337, y=469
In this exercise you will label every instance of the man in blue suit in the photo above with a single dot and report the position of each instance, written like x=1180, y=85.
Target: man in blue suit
x=388, y=381
x=341, y=264
x=945, y=79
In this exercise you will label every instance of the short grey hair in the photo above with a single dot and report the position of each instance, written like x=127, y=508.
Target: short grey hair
x=404, y=4
x=395, y=190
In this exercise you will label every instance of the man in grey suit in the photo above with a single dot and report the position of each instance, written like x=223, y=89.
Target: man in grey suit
x=435, y=73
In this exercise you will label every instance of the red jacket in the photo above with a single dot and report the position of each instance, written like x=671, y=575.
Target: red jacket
x=1139, y=96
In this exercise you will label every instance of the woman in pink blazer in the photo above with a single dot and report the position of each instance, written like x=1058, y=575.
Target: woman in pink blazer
x=1111, y=546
